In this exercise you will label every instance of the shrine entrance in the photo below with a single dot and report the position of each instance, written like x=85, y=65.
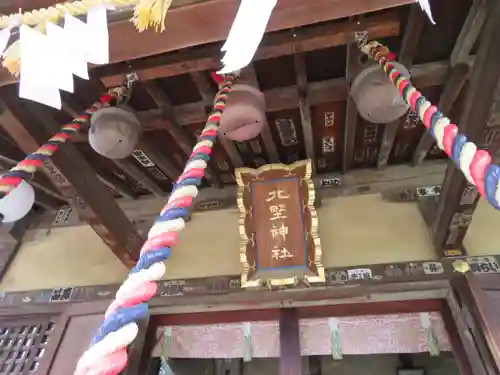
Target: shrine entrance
x=405, y=337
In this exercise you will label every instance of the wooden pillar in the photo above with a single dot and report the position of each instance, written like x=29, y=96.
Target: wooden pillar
x=458, y=198
x=290, y=359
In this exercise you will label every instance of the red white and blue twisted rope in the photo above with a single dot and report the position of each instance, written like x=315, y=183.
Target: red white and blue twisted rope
x=25, y=168
x=107, y=354
x=475, y=164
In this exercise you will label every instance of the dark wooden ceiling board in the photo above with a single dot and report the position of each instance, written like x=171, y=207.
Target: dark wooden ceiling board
x=180, y=89
x=325, y=63
x=164, y=142
x=140, y=100
x=278, y=72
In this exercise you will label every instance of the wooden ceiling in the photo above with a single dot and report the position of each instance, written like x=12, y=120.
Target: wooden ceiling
x=305, y=74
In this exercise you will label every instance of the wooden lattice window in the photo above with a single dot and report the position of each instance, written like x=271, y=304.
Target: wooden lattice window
x=23, y=344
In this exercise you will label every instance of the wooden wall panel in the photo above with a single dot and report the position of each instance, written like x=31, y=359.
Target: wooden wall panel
x=75, y=340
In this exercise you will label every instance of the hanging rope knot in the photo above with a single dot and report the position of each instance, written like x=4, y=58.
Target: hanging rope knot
x=120, y=95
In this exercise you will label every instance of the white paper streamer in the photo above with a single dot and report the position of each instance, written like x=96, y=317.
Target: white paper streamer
x=246, y=33
x=38, y=73
x=426, y=7
x=64, y=78
x=97, y=33
x=74, y=39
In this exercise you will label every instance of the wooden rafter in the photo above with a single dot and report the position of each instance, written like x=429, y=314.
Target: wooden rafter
x=411, y=37
x=469, y=32
x=406, y=55
x=80, y=186
x=170, y=124
x=458, y=199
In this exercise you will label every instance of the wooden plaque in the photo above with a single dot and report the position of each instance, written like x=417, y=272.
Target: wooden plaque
x=278, y=225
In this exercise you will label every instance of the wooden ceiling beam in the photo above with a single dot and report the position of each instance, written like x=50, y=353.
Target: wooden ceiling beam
x=389, y=181
x=208, y=94
x=274, y=45
x=77, y=182
x=458, y=198
x=406, y=55
x=304, y=108
x=171, y=125
x=250, y=76
x=185, y=29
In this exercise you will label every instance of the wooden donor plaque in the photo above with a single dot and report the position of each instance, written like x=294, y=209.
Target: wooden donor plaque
x=278, y=225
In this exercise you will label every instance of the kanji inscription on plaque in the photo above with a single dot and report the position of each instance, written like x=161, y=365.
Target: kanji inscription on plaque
x=278, y=225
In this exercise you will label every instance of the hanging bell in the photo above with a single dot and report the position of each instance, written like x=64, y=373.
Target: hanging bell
x=376, y=98
x=114, y=132
x=245, y=114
